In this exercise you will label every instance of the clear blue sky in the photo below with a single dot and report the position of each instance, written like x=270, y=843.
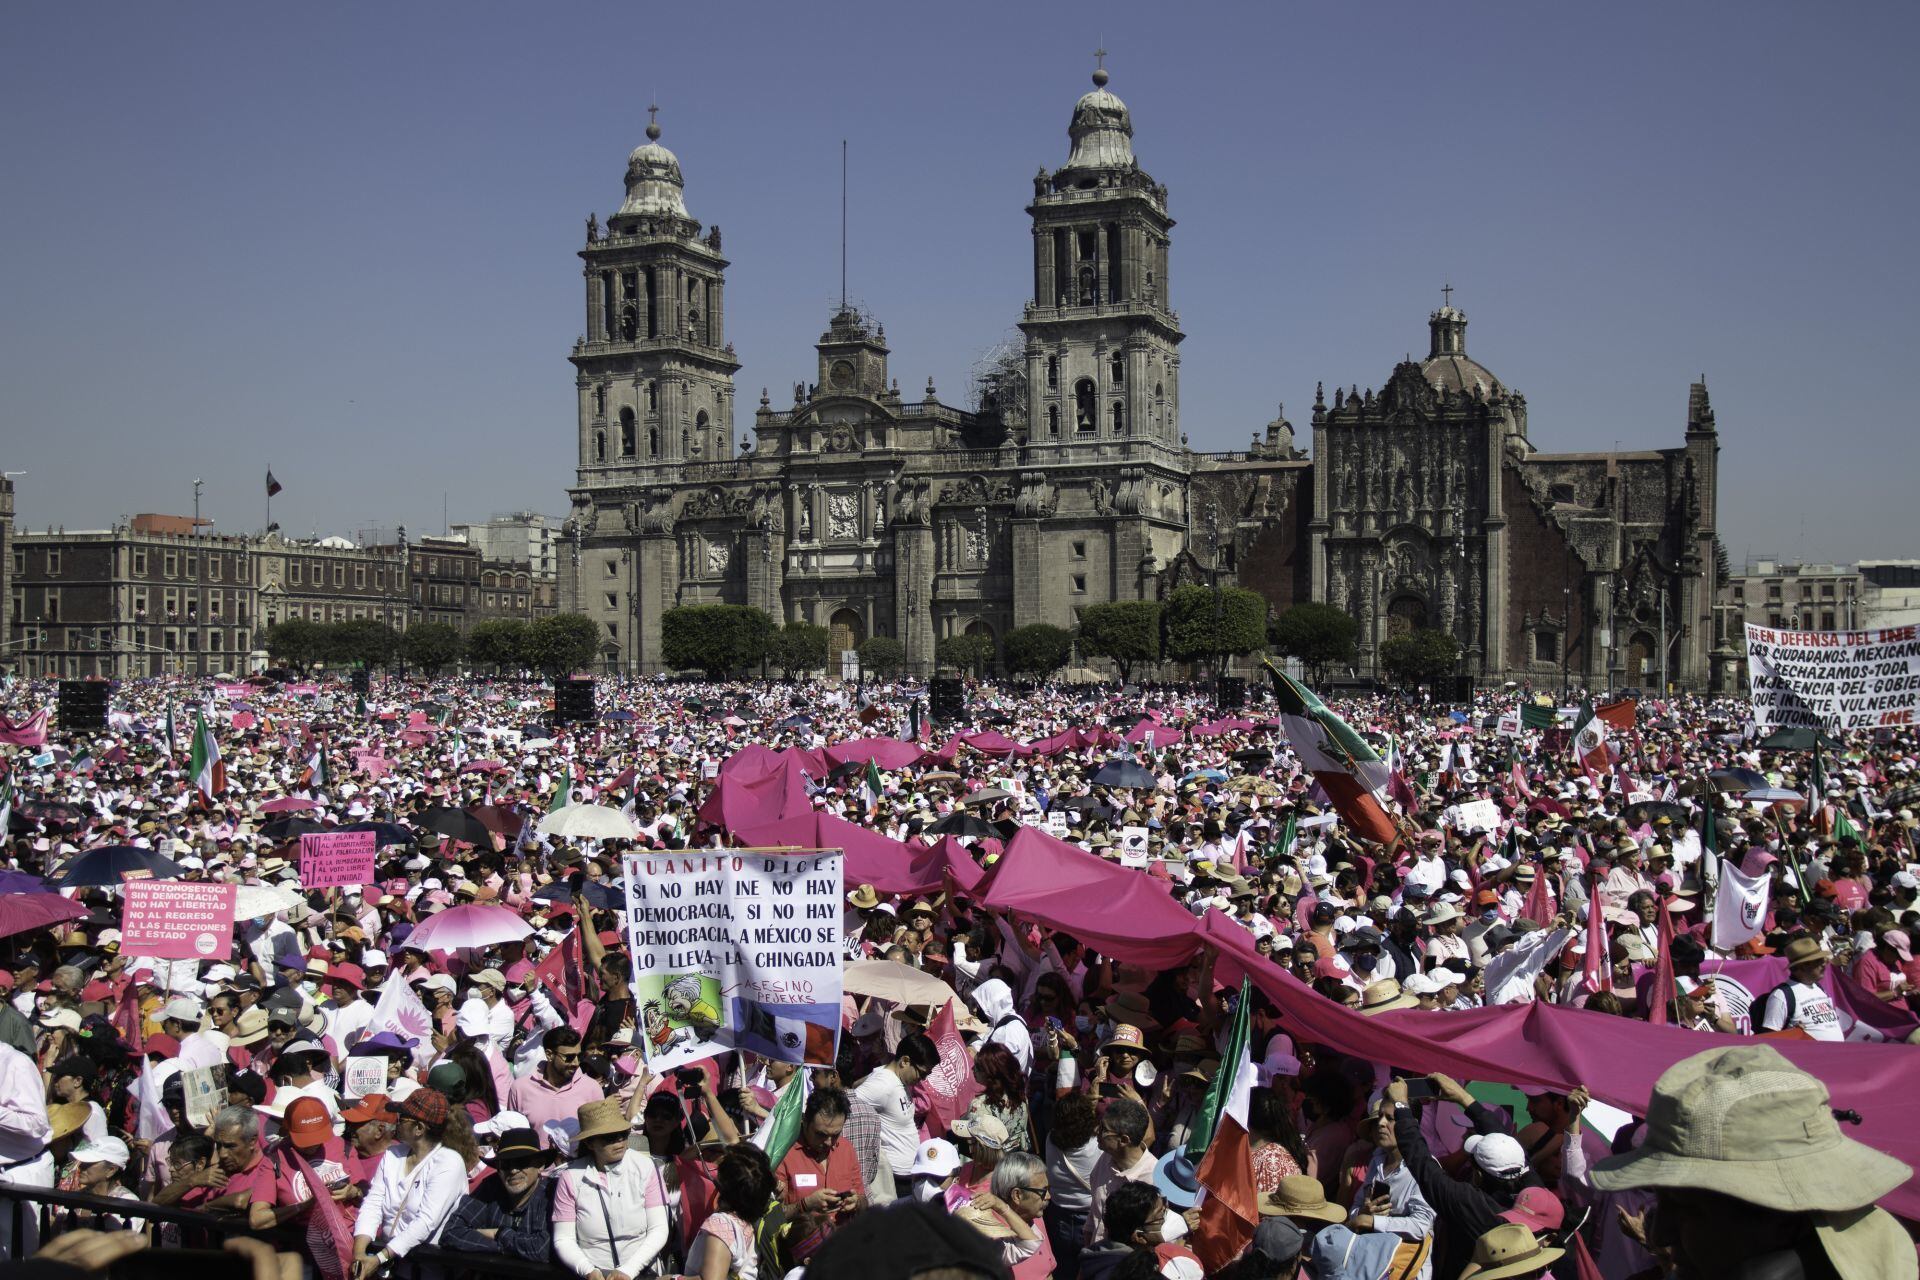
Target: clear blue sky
x=340, y=238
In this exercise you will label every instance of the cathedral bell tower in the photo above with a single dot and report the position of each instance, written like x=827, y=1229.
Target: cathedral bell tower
x=654, y=371
x=1101, y=333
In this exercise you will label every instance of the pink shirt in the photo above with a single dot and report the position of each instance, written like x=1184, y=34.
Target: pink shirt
x=533, y=1097
x=259, y=1178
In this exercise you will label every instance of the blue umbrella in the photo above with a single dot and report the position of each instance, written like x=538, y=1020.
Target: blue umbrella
x=621, y=715
x=1460, y=717
x=21, y=882
x=1212, y=775
x=112, y=864
x=604, y=897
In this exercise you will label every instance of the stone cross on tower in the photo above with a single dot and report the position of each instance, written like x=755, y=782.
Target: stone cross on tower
x=1446, y=295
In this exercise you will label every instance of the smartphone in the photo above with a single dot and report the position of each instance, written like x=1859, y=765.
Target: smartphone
x=1377, y=1191
x=689, y=1080
x=1108, y=1089
x=1054, y=1024
x=1419, y=1089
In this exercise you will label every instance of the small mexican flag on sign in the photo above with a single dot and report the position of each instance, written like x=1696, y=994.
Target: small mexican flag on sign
x=203, y=763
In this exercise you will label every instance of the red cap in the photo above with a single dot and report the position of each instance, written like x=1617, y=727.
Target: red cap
x=163, y=1044
x=306, y=1122
x=1536, y=1209
x=372, y=1107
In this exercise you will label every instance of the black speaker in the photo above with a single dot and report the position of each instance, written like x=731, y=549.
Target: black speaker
x=83, y=706
x=362, y=680
x=949, y=698
x=573, y=702
x=1230, y=694
x=1457, y=689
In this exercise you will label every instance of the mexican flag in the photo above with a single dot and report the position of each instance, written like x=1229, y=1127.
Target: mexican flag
x=360, y=705
x=870, y=789
x=319, y=777
x=1347, y=768
x=1595, y=727
x=1535, y=715
x=203, y=762
x=1220, y=1148
x=781, y=1129
x=561, y=787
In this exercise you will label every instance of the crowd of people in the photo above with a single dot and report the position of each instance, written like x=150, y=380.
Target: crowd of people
x=239, y=1088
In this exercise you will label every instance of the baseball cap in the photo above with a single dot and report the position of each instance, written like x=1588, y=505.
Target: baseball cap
x=982, y=1128
x=1536, y=1209
x=1499, y=1154
x=1278, y=1239
x=107, y=1150
x=936, y=1158
x=183, y=1009
x=306, y=1121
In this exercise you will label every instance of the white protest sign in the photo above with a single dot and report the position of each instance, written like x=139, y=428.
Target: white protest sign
x=1484, y=814
x=735, y=950
x=1057, y=825
x=1509, y=725
x=365, y=1074
x=1834, y=680
x=1133, y=846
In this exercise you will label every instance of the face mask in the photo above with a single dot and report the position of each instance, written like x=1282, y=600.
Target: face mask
x=1365, y=963
x=1083, y=1024
x=1490, y=915
x=1173, y=1228
x=926, y=1190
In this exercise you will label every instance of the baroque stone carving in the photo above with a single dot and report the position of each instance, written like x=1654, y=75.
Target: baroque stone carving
x=843, y=515
x=717, y=559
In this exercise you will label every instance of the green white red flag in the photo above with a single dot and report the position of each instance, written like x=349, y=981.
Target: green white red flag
x=1345, y=765
x=203, y=763
x=1594, y=730
x=1220, y=1146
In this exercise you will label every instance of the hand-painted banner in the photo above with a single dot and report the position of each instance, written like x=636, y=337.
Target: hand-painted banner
x=736, y=949
x=1834, y=680
x=332, y=858
x=177, y=919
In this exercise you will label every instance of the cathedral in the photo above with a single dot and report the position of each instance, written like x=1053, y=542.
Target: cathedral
x=1423, y=504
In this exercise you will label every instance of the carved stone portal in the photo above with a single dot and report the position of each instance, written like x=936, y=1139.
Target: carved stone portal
x=843, y=515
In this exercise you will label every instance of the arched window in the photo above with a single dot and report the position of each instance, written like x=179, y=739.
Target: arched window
x=653, y=442
x=1053, y=371
x=686, y=443
x=626, y=432
x=600, y=402
x=1119, y=367
x=653, y=397
x=1119, y=417
x=1086, y=415
x=599, y=446
x=1053, y=420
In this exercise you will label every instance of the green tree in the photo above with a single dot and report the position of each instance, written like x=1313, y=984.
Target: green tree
x=1125, y=632
x=296, y=642
x=797, y=648
x=1213, y=623
x=500, y=643
x=967, y=653
x=1419, y=656
x=1318, y=634
x=563, y=643
x=360, y=642
x=881, y=656
x=1039, y=649
x=718, y=639
x=432, y=646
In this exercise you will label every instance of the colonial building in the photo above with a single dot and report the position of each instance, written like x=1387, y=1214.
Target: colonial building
x=1069, y=481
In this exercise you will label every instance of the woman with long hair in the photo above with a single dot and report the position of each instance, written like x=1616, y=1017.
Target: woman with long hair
x=1003, y=1092
x=724, y=1249
x=1278, y=1150
x=1071, y=1155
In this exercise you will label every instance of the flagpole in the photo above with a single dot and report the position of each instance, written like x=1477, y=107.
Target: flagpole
x=269, y=524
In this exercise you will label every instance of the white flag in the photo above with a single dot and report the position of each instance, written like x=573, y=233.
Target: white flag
x=401, y=1012
x=1740, y=906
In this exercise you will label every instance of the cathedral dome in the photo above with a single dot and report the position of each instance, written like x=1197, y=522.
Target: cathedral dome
x=1448, y=366
x=654, y=184
x=1102, y=130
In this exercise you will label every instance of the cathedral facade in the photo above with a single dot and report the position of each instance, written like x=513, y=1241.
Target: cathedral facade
x=1070, y=482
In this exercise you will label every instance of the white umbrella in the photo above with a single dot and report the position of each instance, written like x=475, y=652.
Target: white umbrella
x=256, y=900
x=588, y=821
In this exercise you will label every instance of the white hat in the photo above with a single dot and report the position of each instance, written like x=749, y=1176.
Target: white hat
x=107, y=1150
x=182, y=1009
x=1419, y=984
x=1446, y=978
x=1499, y=1154
x=936, y=1158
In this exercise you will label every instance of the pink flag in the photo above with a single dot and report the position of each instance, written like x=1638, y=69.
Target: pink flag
x=329, y=1238
x=564, y=974
x=1661, y=997
x=128, y=1021
x=1539, y=904
x=1520, y=781
x=1594, y=976
x=951, y=1088
x=31, y=732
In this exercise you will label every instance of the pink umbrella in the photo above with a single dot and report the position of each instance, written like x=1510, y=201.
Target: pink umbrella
x=289, y=804
x=483, y=766
x=478, y=924
x=21, y=912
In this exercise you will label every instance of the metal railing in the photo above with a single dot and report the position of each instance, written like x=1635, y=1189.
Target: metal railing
x=53, y=1212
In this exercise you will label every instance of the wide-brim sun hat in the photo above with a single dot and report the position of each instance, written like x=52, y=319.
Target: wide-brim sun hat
x=1509, y=1251
x=1746, y=1123
x=1301, y=1196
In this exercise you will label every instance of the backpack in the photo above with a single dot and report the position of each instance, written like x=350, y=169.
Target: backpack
x=1793, y=1006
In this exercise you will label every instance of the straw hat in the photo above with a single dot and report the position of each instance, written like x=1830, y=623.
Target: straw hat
x=1301, y=1196
x=1746, y=1123
x=1385, y=996
x=1126, y=1037
x=67, y=1119
x=864, y=897
x=1804, y=951
x=1509, y=1250
x=601, y=1118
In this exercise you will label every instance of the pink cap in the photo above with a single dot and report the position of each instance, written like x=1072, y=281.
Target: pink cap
x=1536, y=1209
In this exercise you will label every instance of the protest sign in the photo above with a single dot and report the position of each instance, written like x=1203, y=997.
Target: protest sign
x=365, y=1074
x=177, y=919
x=1834, y=680
x=1133, y=843
x=735, y=949
x=1483, y=814
x=329, y=859
x=1057, y=824
x=1508, y=725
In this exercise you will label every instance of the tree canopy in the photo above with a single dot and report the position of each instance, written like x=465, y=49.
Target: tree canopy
x=1038, y=649
x=718, y=639
x=1318, y=634
x=432, y=646
x=1419, y=656
x=1125, y=633
x=1208, y=622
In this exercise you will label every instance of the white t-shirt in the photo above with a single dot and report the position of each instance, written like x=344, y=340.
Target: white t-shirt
x=1813, y=1013
x=899, y=1136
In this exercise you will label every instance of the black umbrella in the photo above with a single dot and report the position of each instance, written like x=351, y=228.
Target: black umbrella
x=1124, y=773
x=115, y=864
x=55, y=815
x=291, y=827
x=1798, y=739
x=963, y=824
x=1904, y=797
x=1253, y=757
x=1646, y=811
x=604, y=897
x=457, y=824
x=385, y=833
x=1737, y=779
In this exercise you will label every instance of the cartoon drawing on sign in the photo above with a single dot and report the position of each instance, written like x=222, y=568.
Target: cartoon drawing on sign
x=682, y=1014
